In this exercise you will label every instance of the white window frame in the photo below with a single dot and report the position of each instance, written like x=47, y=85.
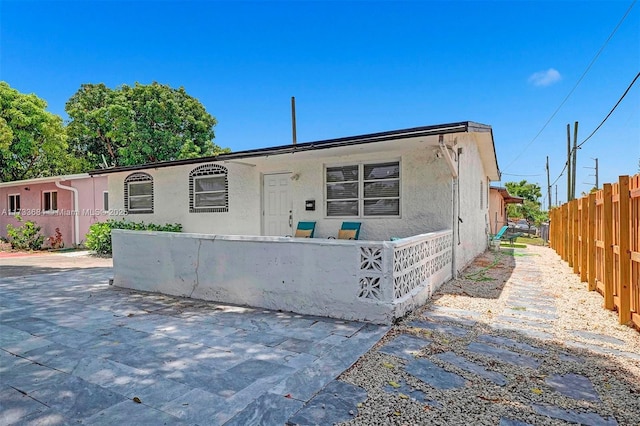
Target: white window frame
x=206, y=171
x=138, y=179
x=52, y=208
x=360, y=199
x=221, y=191
x=16, y=209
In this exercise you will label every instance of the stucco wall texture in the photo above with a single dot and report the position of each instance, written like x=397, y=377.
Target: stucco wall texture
x=90, y=196
x=426, y=186
x=311, y=276
x=427, y=193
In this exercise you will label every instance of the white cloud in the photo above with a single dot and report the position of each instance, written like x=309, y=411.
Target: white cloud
x=545, y=78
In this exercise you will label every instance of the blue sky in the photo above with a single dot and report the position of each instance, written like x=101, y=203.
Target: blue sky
x=356, y=67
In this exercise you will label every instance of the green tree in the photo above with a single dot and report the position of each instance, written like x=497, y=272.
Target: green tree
x=530, y=208
x=524, y=189
x=138, y=124
x=33, y=142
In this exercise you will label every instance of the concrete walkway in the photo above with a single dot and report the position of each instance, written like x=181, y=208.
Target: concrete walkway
x=75, y=350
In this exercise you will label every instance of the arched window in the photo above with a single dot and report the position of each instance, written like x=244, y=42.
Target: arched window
x=208, y=189
x=138, y=193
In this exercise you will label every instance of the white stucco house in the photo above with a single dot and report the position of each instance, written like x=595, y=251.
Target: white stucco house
x=421, y=195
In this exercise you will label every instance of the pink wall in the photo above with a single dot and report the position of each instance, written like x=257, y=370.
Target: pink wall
x=496, y=211
x=90, y=193
x=90, y=202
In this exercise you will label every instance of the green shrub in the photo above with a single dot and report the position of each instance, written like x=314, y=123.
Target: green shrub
x=25, y=237
x=99, y=236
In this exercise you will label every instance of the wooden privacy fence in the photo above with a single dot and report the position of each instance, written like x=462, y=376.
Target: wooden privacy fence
x=599, y=236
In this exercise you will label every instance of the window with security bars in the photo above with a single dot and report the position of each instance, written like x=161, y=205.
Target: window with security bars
x=363, y=190
x=138, y=193
x=208, y=189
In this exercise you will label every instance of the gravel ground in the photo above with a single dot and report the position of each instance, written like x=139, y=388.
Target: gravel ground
x=575, y=338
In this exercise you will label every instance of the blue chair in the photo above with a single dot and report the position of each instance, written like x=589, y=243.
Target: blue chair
x=349, y=231
x=496, y=238
x=305, y=230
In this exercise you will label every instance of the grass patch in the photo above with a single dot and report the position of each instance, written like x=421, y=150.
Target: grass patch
x=514, y=245
x=534, y=241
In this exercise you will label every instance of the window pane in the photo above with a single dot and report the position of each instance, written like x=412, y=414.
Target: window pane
x=382, y=189
x=382, y=171
x=142, y=188
x=54, y=201
x=47, y=201
x=342, y=190
x=342, y=208
x=105, y=201
x=141, y=202
x=342, y=174
x=212, y=199
x=210, y=184
x=382, y=207
x=17, y=202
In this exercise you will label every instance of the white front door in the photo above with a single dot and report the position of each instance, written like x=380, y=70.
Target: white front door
x=277, y=205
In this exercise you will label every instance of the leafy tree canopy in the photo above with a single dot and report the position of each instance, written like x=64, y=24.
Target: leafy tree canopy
x=530, y=208
x=138, y=124
x=528, y=191
x=33, y=142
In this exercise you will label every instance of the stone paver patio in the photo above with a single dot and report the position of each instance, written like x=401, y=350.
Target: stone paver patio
x=75, y=350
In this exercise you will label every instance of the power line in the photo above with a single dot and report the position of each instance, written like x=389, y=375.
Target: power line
x=611, y=112
x=513, y=174
x=575, y=86
x=599, y=125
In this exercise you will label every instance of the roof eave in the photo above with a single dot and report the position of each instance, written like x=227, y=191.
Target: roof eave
x=458, y=127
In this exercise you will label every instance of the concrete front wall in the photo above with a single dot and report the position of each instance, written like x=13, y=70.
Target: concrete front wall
x=426, y=188
x=292, y=274
x=90, y=202
x=31, y=204
x=497, y=217
x=474, y=228
x=375, y=281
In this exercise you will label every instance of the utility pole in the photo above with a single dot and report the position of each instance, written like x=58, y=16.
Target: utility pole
x=548, y=185
x=596, y=174
x=568, y=162
x=575, y=160
x=556, y=195
x=293, y=119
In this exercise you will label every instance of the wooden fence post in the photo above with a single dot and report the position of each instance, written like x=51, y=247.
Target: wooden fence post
x=608, y=246
x=591, y=242
x=624, y=305
x=575, y=243
x=584, y=219
x=565, y=233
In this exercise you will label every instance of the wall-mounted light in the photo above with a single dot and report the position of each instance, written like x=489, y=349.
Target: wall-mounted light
x=27, y=188
x=295, y=176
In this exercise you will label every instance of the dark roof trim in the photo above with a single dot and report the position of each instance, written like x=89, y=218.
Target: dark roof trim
x=508, y=198
x=461, y=127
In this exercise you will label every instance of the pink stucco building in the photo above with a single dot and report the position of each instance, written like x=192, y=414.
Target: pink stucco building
x=71, y=203
x=499, y=197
